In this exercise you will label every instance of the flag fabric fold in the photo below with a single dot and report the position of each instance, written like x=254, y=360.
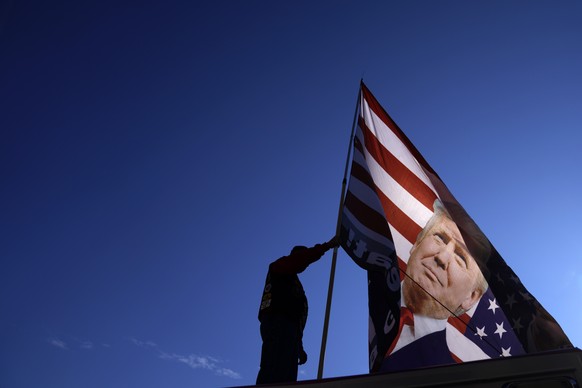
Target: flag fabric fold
x=422, y=250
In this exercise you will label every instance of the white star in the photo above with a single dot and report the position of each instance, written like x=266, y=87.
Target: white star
x=517, y=325
x=500, y=330
x=510, y=300
x=492, y=305
x=481, y=332
x=505, y=352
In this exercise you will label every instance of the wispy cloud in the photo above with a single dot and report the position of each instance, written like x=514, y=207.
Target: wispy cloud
x=57, y=343
x=193, y=361
x=202, y=362
x=144, y=344
x=73, y=343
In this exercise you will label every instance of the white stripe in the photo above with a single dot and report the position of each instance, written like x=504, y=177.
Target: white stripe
x=401, y=244
x=392, y=143
x=405, y=201
x=360, y=159
x=463, y=347
x=414, y=209
x=366, y=194
x=419, y=213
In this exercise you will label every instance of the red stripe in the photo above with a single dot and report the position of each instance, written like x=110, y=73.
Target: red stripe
x=457, y=359
x=369, y=217
x=362, y=175
x=385, y=117
x=399, y=220
x=358, y=145
x=396, y=169
x=459, y=322
x=392, y=213
x=359, y=172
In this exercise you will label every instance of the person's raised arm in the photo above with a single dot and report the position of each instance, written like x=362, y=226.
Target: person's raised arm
x=301, y=257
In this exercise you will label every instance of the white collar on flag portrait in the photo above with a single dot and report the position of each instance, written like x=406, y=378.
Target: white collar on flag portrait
x=423, y=326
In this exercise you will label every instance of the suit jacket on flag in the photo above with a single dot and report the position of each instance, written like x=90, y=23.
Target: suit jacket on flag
x=426, y=351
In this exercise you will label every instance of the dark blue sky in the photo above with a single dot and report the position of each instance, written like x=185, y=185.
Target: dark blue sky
x=156, y=156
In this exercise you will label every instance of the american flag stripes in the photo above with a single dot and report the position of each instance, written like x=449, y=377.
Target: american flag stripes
x=388, y=202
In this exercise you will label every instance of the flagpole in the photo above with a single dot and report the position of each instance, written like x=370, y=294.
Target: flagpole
x=335, y=249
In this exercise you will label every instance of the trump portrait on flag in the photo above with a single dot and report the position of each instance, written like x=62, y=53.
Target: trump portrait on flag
x=442, y=280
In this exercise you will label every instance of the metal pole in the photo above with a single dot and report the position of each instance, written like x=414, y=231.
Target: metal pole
x=334, y=257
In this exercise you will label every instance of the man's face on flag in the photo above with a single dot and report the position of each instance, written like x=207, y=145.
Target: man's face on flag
x=441, y=263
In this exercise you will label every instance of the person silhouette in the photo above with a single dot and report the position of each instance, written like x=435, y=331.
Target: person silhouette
x=283, y=314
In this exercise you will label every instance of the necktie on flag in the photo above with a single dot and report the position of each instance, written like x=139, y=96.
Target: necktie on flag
x=401, y=223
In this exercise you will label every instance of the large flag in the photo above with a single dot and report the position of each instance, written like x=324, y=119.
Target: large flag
x=438, y=291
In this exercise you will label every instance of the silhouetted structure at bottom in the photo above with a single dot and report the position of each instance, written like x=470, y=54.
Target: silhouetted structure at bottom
x=554, y=369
